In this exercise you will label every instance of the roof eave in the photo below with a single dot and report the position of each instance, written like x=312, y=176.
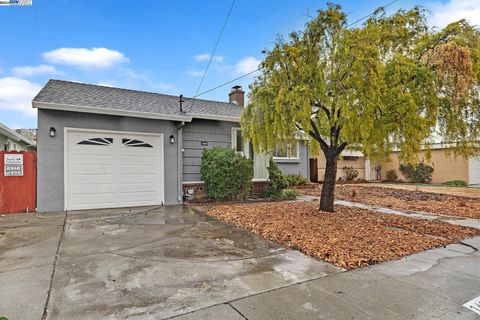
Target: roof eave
x=215, y=117
x=11, y=134
x=87, y=109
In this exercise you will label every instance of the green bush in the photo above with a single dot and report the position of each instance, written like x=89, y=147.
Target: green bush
x=226, y=174
x=294, y=180
x=391, y=175
x=277, y=182
x=419, y=173
x=290, y=194
x=456, y=183
x=350, y=173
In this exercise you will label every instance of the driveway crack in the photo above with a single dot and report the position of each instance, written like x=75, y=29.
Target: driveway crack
x=55, y=262
x=238, y=311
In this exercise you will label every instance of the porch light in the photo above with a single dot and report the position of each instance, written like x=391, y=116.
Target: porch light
x=172, y=139
x=52, y=132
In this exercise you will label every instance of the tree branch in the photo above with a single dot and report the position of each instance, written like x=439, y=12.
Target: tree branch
x=341, y=148
x=316, y=135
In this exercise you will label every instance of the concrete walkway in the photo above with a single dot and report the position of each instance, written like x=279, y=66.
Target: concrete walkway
x=429, y=285
x=461, y=221
x=172, y=263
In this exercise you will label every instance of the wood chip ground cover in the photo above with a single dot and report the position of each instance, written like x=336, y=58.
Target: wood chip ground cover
x=434, y=203
x=349, y=237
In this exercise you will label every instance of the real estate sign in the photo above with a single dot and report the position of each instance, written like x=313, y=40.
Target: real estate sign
x=13, y=165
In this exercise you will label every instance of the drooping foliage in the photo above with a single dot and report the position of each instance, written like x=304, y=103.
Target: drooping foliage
x=390, y=83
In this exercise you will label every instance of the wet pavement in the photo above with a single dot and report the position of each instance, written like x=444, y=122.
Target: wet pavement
x=175, y=263
x=143, y=263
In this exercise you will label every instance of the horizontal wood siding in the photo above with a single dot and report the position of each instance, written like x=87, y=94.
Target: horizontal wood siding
x=215, y=133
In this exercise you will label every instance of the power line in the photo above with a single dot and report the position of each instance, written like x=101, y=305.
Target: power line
x=213, y=53
x=225, y=83
x=372, y=13
x=260, y=68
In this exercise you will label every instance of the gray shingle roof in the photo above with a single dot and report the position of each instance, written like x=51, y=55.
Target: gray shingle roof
x=116, y=99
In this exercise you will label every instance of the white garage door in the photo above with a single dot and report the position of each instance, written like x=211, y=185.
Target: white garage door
x=105, y=169
x=474, y=170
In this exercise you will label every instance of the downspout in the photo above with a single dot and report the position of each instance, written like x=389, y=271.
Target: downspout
x=180, y=161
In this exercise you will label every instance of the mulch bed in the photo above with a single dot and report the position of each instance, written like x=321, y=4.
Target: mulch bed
x=434, y=203
x=349, y=237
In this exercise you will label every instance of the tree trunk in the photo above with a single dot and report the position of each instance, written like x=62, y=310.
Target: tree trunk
x=328, y=189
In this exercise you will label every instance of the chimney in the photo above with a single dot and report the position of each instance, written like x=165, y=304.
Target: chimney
x=237, y=96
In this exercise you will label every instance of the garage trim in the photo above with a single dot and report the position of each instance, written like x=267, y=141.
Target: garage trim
x=66, y=132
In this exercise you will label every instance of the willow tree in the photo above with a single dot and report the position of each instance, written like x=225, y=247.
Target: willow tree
x=391, y=82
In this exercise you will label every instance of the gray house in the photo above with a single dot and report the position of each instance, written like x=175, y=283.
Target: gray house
x=103, y=147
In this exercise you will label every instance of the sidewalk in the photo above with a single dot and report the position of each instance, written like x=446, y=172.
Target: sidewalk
x=429, y=285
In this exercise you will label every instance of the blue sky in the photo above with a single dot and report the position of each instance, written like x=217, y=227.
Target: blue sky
x=159, y=46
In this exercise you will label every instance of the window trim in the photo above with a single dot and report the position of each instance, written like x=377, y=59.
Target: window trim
x=295, y=158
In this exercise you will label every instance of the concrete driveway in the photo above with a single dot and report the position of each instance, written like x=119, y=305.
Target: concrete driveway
x=142, y=263
x=158, y=263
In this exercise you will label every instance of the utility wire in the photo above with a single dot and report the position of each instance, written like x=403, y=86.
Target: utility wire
x=260, y=68
x=213, y=53
x=224, y=84
x=372, y=13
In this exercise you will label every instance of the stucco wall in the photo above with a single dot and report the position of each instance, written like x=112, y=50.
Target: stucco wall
x=358, y=164
x=294, y=166
x=445, y=167
x=50, y=180
x=214, y=133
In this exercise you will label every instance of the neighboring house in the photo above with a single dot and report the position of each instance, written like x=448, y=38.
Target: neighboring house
x=10, y=140
x=30, y=134
x=103, y=147
x=445, y=165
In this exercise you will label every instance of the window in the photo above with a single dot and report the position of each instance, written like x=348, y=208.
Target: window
x=287, y=151
x=97, y=141
x=136, y=143
x=350, y=158
x=238, y=144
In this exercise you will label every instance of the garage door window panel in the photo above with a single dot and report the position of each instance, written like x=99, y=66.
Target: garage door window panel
x=136, y=143
x=97, y=141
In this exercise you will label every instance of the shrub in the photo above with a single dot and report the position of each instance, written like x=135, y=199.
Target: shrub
x=277, y=182
x=456, y=183
x=391, y=175
x=294, y=180
x=290, y=194
x=419, y=173
x=350, y=173
x=227, y=175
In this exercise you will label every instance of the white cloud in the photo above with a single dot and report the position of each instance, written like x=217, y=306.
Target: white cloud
x=28, y=71
x=246, y=65
x=195, y=72
x=17, y=94
x=442, y=14
x=101, y=58
x=206, y=57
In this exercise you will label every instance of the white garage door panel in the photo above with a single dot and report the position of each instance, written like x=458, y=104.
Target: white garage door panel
x=474, y=171
x=112, y=169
